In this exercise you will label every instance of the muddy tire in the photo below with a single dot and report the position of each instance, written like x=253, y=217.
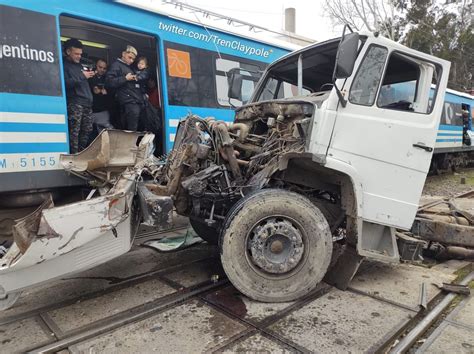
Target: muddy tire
x=207, y=233
x=276, y=246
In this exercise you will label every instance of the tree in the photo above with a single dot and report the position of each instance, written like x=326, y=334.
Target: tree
x=443, y=30
x=370, y=15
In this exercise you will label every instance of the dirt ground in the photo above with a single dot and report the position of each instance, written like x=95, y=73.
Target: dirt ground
x=450, y=184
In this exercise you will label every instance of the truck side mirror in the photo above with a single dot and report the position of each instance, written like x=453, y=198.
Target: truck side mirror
x=346, y=56
x=234, y=80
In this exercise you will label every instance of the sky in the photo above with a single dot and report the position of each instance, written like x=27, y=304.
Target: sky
x=310, y=19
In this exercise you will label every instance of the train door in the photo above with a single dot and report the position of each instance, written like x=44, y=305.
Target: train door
x=467, y=124
x=105, y=43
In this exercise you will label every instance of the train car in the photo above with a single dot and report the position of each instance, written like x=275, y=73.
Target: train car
x=189, y=61
x=454, y=146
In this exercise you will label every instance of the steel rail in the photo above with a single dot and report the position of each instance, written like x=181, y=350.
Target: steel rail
x=126, y=283
x=412, y=336
x=124, y=318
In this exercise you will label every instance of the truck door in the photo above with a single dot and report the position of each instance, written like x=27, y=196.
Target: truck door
x=388, y=129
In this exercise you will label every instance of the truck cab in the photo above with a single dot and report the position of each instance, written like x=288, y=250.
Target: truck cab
x=382, y=141
x=325, y=146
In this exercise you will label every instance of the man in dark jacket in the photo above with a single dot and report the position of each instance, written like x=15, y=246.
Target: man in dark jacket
x=101, y=103
x=79, y=96
x=122, y=78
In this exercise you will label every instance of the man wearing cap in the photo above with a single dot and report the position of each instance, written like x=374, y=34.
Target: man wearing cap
x=122, y=79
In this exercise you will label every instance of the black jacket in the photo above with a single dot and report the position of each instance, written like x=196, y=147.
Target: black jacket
x=77, y=86
x=101, y=102
x=142, y=79
x=126, y=91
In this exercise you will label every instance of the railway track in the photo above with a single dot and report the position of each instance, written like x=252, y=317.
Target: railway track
x=207, y=293
x=199, y=292
x=385, y=317
x=128, y=282
x=123, y=318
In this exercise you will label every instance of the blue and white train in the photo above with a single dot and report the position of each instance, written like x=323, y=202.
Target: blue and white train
x=455, y=141
x=190, y=63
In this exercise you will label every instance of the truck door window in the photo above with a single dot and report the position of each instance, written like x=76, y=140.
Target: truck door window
x=406, y=84
x=397, y=93
x=399, y=84
x=366, y=82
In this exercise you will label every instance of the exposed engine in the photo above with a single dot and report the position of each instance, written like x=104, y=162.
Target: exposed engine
x=214, y=164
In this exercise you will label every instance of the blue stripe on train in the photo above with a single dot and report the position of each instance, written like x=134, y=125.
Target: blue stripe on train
x=450, y=134
x=15, y=102
x=33, y=128
x=450, y=127
x=15, y=148
x=448, y=140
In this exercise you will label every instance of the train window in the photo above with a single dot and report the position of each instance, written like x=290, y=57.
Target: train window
x=190, y=73
x=452, y=113
x=250, y=74
x=366, y=82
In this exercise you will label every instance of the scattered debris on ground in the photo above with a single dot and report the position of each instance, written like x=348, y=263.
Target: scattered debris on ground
x=450, y=184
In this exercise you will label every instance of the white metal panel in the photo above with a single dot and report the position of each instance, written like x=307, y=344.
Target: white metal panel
x=32, y=137
x=76, y=236
x=43, y=118
x=378, y=144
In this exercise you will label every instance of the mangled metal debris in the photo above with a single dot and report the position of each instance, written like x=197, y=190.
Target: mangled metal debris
x=446, y=225
x=447, y=221
x=60, y=239
x=215, y=164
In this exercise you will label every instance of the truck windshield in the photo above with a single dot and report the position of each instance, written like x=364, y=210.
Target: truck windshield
x=281, y=79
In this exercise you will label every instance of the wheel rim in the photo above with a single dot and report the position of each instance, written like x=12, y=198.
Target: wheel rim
x=276, y=245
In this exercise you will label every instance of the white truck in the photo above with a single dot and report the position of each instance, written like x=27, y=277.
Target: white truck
x=321, y=152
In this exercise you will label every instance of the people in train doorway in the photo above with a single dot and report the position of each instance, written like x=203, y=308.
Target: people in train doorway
x=153, y=94
x=465, y=123
x=79, y=96
x=101, y=104
x=122, y=78
x=142, y=75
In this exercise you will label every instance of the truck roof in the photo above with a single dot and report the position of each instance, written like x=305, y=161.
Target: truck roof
x=382, y=40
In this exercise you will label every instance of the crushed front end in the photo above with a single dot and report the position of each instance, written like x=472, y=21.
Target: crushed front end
x=214, y=164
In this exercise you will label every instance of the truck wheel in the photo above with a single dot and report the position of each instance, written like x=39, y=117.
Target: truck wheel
x=276, y=246
x=207, y=233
